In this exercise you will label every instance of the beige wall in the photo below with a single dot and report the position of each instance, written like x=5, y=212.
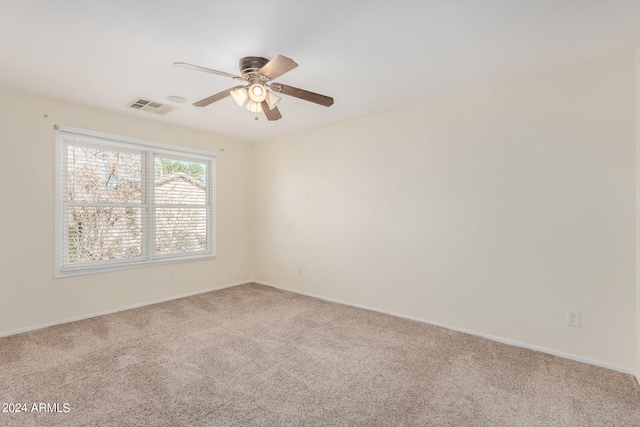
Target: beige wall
x=492, y=211
x=30, y=296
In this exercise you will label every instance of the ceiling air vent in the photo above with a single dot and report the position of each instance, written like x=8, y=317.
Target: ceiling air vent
x=150, y=106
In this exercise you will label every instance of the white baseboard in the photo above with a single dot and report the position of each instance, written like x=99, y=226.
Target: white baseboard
x=115, y=310
x=564, y=355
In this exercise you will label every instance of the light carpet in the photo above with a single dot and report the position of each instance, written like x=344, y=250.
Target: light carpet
x=252, y=355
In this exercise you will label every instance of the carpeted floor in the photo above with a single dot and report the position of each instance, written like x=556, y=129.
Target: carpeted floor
x=254, y=355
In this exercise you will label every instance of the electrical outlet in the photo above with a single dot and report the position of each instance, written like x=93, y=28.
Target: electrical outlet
x=172, y=276
x=573, y=318
x=299, y=271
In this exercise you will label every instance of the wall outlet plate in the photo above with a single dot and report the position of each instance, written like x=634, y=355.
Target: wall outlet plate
x=573, y=318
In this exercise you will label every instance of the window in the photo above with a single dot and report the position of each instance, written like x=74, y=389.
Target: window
x=123, y=203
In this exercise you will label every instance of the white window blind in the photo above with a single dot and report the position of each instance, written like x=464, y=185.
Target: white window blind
x=124, y=203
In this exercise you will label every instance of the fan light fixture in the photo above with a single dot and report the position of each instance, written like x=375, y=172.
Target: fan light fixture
x=257, y=92
x=272, y=100
x=254, y=107
x=240, y=96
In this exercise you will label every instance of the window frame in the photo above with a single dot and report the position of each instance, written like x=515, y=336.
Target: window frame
x=150, y=150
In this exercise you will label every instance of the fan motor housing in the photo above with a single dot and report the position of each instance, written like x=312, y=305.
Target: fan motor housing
x=252, y=64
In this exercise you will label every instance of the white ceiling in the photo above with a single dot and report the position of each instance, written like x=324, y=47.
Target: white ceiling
x=370, y=56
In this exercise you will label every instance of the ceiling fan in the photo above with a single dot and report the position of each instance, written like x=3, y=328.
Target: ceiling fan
x=258, y=94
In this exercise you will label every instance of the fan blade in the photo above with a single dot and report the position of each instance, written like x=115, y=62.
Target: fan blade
x=206, y=70
x=277, y=67
x=271, y=114
x=326, y=101
x=213, y=98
